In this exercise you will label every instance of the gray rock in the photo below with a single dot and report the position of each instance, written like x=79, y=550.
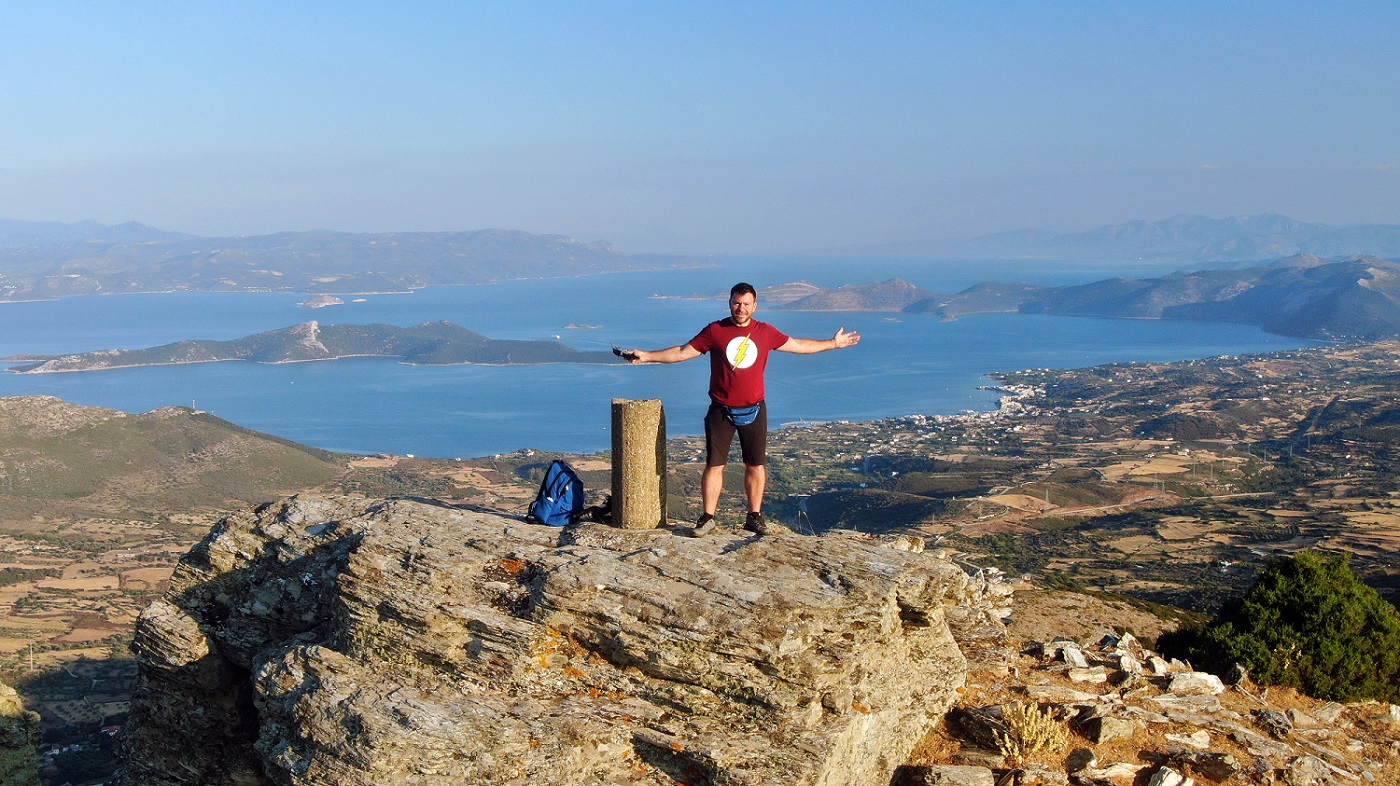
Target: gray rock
x=353, y=642
x=1040, y=775
x=979, y=757
x=1107, y=729
x=1192, y=703
x=944, y=775
x=1117, y=774
x=1305, y=771
x=1074, y=657
x=1081, y=759
x=1128, y=681
x=1259, y=745
x=1129, y=664
x=1215, y=766
x=1274, y=722
x=1156, y=665
x=1301, y=719
x=1330, y=712
x=1092, y=675
x=1238, y=675
x=1166, y=776
x=1198, y=739
x=980, y=725
x=1055, y=693
x=1326, y=754
x=1146, y=716
x=1193, y=683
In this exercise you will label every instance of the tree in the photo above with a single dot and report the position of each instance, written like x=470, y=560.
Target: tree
x=1306, y=623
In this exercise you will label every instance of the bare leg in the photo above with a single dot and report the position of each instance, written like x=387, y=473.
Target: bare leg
x=711, y=483
x=755, y=479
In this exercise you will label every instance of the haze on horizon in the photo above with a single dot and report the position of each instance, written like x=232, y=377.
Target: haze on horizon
x=703, y=127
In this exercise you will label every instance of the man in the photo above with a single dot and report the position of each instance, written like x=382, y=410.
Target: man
x=738, y=347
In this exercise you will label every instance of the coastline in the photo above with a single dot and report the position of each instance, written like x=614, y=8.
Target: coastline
x=399, y=359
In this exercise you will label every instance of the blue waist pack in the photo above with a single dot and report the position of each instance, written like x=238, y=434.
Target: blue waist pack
x=741, y=416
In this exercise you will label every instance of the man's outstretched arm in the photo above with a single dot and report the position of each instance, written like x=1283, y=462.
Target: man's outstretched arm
x=808, y=346
x=667, y=355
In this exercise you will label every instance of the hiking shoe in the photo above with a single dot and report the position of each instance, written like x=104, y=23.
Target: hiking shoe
x=756, y=523
x=703, y=526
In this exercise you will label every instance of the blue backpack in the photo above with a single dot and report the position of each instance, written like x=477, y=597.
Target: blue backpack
x=560, y=500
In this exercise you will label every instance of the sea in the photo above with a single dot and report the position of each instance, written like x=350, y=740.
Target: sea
x=905, y=363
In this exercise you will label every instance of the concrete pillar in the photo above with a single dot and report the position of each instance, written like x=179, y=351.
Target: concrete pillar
x=638, y=463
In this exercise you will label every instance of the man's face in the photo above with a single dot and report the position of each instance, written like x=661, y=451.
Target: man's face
x=741, y=308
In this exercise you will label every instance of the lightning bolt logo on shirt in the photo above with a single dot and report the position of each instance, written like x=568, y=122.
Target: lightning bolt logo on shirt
x=742, y=352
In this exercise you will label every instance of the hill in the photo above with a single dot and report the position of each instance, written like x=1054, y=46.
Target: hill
x=432, y=343
x=1354, y=299
x=83, y=259
x=17, y=234
x=58, y=456
x=892, y=295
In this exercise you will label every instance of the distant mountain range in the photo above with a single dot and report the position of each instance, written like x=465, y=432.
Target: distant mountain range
x=1188, y=238
x=433, y=343
x=1353, y=299
x=17, y=234
x=40, y=260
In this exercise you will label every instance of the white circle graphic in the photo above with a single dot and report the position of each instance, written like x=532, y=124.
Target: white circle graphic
x=742, y=352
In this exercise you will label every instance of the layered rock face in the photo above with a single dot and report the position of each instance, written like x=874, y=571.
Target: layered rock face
x=342, y=641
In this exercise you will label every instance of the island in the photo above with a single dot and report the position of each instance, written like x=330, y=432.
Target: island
x=1356, y=298
x=428, y=344
x=321, y=301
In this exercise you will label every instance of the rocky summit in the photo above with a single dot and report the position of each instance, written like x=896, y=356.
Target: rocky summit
x=324, y=640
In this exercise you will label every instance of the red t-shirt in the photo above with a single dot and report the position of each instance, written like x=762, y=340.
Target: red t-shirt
x=738, y=356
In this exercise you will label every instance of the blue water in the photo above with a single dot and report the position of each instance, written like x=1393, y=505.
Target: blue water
x=915, y=365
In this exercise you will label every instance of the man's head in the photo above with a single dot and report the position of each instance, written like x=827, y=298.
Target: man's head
x=743, y=299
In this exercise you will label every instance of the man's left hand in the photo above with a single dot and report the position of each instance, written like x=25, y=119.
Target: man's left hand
x=842, y=339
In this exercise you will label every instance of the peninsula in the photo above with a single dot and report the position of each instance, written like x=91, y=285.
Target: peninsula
x=1352, y=299
x=428, y=344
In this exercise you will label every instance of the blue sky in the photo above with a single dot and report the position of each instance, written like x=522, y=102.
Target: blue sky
x=714, y=126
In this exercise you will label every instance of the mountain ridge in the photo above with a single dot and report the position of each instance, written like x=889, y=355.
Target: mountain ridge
x=83, y=260
x=1356, y=298
x=1184, y=237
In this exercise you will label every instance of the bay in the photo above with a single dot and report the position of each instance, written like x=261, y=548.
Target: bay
x=905, y=364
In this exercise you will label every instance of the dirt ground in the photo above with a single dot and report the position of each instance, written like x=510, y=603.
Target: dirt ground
x=1041, y=615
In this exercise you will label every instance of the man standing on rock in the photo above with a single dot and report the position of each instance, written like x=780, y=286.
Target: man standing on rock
x=738, y=347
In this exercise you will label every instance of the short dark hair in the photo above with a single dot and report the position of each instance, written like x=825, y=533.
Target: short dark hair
x=742, y=288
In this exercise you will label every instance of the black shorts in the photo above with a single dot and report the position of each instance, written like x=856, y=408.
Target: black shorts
x=719, y=435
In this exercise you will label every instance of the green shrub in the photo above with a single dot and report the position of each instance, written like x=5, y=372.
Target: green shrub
x=1306, y=623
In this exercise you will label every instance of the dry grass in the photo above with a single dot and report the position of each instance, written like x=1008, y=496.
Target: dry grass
x=1030, y=730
